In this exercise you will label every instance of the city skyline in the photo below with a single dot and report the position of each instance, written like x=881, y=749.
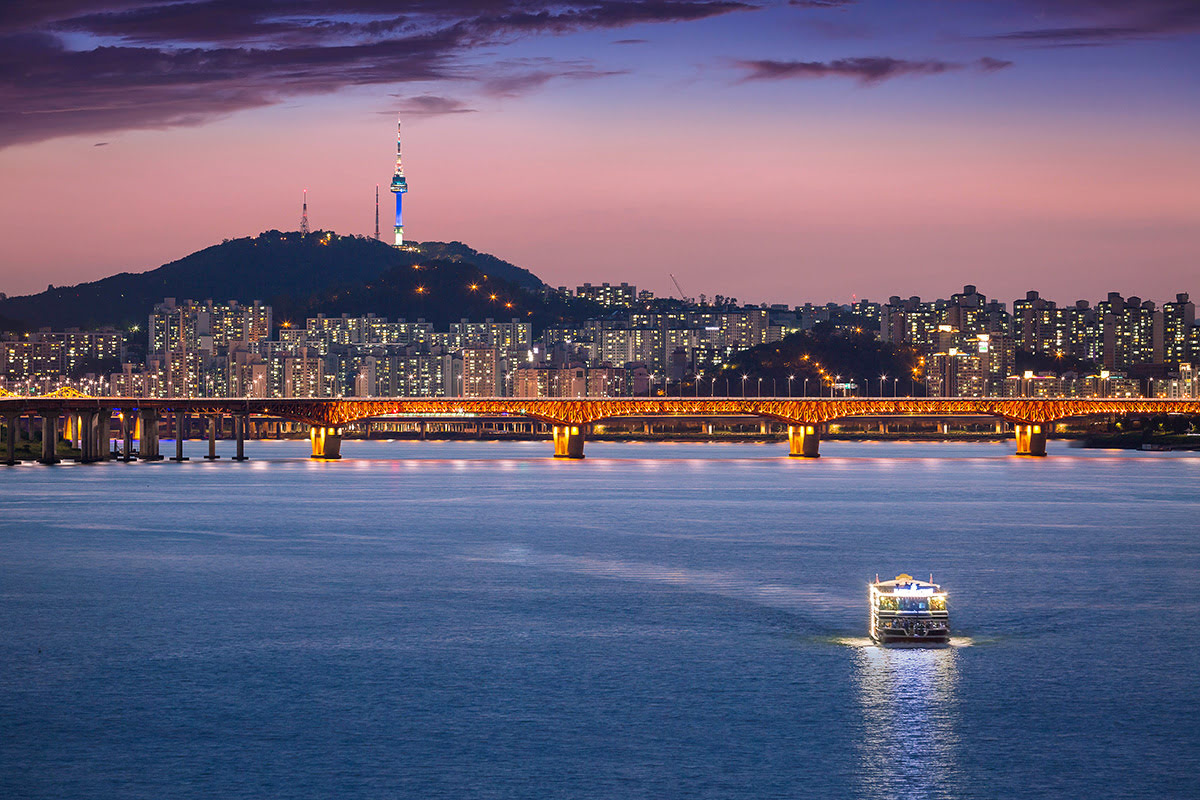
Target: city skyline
x=823, y=149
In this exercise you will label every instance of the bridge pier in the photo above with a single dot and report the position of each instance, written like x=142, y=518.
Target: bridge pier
x=104, y=435
x=49, y=438
x=326, y=442
x=1031, y=439
x=127, y=430
x=79, y=426
x=180, y=433
x=568, y=441
x=240, y=423
x=10, y=435
x=804, y=441
x=212, y=439
x=148, y=442
x=93, y=435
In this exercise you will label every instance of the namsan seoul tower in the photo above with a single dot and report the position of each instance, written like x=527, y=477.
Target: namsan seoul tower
x=399, y=187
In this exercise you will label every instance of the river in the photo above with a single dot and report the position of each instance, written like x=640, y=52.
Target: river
x=476, y=619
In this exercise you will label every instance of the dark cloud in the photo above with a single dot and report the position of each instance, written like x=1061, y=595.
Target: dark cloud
x=100, y=144
x=428, y=105
x=1093, y=22
x=85, y=66
x=821, y=3
x=631, y=41
x=865, y=70
x=989, y=64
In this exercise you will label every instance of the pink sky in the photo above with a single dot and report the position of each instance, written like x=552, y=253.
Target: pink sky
x=1071, y=171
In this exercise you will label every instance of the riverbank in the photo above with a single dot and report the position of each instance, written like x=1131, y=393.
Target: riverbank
x=1138, y=440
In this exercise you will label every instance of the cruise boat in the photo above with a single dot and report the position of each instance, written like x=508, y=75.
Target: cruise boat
x=906, y=611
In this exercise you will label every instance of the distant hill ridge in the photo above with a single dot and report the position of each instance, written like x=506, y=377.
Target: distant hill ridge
x=296, y=274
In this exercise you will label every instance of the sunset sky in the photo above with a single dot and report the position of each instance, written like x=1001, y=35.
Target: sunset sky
x=772, y=151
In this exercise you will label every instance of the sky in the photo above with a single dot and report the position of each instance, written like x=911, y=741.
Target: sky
x=772, y=151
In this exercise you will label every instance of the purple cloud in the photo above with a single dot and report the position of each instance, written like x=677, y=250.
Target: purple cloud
x=989, y=64
x=865, y=70
x=156, y=64
x=516, y=77
x=429, y=105
x=1109, y=21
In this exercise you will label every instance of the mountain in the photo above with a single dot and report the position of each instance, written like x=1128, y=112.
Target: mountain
x=296, y=274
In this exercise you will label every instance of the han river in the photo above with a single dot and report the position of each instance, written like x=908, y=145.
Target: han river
x=666, y=620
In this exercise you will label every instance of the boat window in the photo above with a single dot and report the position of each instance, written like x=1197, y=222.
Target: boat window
x=887, y=603
x=914, y=603
x=937, y=604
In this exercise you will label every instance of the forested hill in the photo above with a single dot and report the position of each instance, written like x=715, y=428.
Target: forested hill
x=320, y=272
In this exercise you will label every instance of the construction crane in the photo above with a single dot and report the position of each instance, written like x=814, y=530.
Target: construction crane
x=682, y=296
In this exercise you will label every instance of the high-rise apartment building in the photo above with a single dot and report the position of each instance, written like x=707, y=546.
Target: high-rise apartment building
x=608, y=295
x=1179, y=319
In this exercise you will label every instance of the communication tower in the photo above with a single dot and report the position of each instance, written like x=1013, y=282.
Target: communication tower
x=377, y=212
x=399, y=187
x=304, y=215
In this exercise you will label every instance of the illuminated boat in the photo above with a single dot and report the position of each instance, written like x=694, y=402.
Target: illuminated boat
x=906, y=611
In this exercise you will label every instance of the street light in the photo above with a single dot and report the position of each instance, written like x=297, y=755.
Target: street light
x=744, y=385
x=790, y=379
x=882, y=378
x=758, y=391
x=806, y=387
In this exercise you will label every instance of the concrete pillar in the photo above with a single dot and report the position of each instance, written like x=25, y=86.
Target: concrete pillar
x=421, y=429
x=647, y=428
x=709, y=429
x=85, y=426
x=764, y=428
x=240, y=423
x=883, y=427
x=944, y=428
x=148, y=443
x=180, y=435
x=49, y=438
x=212, y=439
x=999, y=426
x=129, y=425
x=1031, y=439
x=804, y=441
x=10, y=435
x=104, y=434
x=326, y=442
x=568, y=441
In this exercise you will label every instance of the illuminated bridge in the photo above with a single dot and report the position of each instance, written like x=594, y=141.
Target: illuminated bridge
x=570, y=420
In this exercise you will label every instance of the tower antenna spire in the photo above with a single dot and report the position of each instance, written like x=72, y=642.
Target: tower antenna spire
x=304, y=215
x=377, y=212
x=399, y=187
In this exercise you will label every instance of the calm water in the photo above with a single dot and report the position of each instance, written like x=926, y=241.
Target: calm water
x=660, y=620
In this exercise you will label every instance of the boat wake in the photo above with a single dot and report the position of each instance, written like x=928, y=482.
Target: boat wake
x=784, y=598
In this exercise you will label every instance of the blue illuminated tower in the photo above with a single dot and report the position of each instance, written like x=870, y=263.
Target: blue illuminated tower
x=399, y=187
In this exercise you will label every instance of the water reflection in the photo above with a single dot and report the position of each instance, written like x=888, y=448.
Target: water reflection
x=909, y=741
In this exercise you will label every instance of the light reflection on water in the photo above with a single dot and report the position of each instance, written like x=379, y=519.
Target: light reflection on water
x=908, y=697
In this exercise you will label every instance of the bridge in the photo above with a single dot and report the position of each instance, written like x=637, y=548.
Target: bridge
x=570, y=420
